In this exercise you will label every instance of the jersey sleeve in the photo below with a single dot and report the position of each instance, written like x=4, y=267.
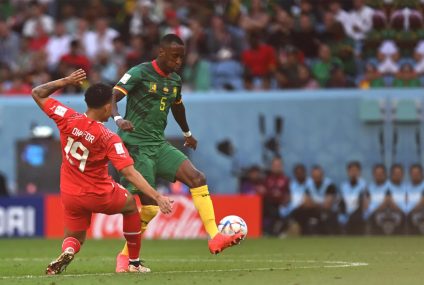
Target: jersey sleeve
x=58, y=112
x=128, y=81
x=118, y=153
x=178, y=97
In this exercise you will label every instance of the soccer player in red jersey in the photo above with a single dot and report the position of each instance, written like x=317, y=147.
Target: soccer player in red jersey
x=85, y=185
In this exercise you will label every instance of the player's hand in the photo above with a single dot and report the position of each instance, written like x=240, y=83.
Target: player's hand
x=165, y=204
x=125, y=125
x=76, y=77
x=190, y=142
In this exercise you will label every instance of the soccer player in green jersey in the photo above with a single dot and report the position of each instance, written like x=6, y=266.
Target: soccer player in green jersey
x=152, y=89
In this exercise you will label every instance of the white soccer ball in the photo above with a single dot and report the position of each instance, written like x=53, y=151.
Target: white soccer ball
x=231, y=225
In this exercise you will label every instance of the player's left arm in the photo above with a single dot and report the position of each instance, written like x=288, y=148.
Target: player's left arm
x=41, y=93
x=178, y=111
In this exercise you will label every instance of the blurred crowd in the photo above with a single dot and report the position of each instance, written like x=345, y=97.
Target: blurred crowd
x=310, y=203
x=231, y=44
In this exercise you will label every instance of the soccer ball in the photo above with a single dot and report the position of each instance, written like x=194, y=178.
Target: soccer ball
x=231, y=225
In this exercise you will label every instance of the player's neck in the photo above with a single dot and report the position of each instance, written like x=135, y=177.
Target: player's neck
x=160, y=67
x=94, y=115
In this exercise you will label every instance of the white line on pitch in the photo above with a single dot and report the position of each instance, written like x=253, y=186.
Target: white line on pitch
x=340, y=264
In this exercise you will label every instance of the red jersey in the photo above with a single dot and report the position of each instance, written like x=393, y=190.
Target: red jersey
x=87, y=147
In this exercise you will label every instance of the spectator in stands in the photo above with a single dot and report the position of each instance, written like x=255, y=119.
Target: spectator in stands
x=355, y=200
x=256, y=18
x=224, y=46
x=325, y=198
x=340, y=15
x=389, y=217
x=101, y=39
x=287, y=74
x=23, y=61
x=372, y=78
x=76, y=59
x=338, y=79
x=406, y=77
x=280, y=30
x=174, y=26
x=380, y=31
x=106, y=67
x=69, y=18
x=253, y=183
x=58, y=45
x=419, y=58
x=18, y=87
x=9, y=45
x=37, y=18
x=415, y=200
x=259, y=59
x=277, y=194
x=359, y=21
x=322, y=67
x=388, y=57
x=142, y=16
x=305, y=80
x=306, y=30
x=3, y=186
x=342, y=47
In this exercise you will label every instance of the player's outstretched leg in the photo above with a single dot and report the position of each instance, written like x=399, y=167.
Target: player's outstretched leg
x=147, y=213
x=196, y=180
x=132, y=234
x=70, y=247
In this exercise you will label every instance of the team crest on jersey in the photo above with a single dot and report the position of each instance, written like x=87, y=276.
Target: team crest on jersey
x=165, y=89
x=153, y=87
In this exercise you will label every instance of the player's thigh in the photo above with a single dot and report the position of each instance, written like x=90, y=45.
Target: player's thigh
x=119, y=200
x=76, y=217
x=169, y=161
x=144, y=163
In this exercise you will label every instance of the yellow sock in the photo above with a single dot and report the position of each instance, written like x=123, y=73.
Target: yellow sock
x=203, y=203
x=147, y=213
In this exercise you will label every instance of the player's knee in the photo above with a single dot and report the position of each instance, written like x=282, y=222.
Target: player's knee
x=130, y=206
x=198, y=179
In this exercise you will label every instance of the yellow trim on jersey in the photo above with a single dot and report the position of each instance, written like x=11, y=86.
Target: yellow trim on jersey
x=121, y=89
x=178, y=102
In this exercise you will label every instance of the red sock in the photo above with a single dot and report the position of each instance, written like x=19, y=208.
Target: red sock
x=71, y=242
x=132, y=233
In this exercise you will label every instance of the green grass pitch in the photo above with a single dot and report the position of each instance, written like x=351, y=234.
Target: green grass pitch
x=300, y=261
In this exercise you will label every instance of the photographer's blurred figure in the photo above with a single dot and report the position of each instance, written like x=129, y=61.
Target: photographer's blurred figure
x=389, y=216
x=415, y=200
x=355, y=200
x=277, y=194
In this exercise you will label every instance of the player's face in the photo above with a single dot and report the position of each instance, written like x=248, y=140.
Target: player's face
x=397, y=175
x=416, y=175
x=173, y=57
x=379, y=175
x=354, y=172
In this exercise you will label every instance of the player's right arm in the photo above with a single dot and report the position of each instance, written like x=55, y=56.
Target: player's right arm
x=42, y=92
x=135, y=178
x=127, y=83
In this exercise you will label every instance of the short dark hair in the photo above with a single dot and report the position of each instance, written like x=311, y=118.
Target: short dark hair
x=169, y=39
x=299, y=166
x=98, y=95
x=379, y=165
x=396, y=165
x=416, y=165
x=354, y=163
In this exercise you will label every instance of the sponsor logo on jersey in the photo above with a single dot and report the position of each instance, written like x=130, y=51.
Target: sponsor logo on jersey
x=60, y=111
x=153, y=87
x=125, y=78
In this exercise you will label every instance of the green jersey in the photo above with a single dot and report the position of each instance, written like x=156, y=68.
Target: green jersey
x=150, y=93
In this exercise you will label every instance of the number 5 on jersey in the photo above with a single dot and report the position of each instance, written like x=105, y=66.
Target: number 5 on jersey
x=72, y=148
x=162, y=104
